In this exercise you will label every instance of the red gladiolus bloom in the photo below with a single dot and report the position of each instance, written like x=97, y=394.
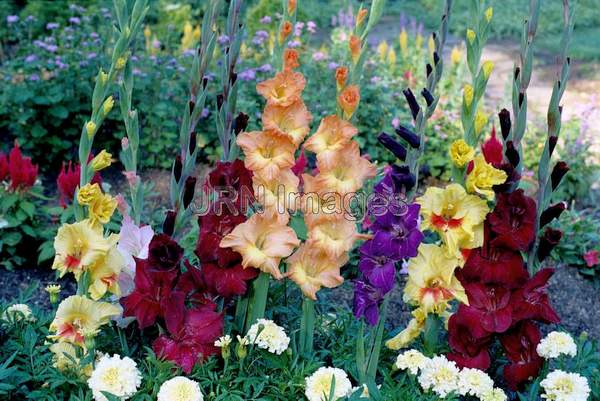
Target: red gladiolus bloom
x=3, y=167
x=520, y=346
x=513, y=220
x=532, y=301
x=234, y=178
x=468, y=340
x=492, y=304
x=164, y=254
x=21, y=170
x=192, y=333
x=492, y=150
x=229, y=281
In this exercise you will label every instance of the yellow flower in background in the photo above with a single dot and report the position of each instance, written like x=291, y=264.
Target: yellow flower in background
x=187, y=40
x=332, y=135
x=105, y=272
x=102, y=209
x=263, y=240
x=481, y=120
x=382, y=50
x=88, y=194
x=468, y=95
x=419, y=41
x=78, y=315
x=483, y=177
x=403, y=39
x=487, y=68
x=79, y=246
x=461, y=153
x=121, y=61
x=431, y=45
x=489, y=13
x=431, y=281
x=312, y=269
x=455, y=55
x=391, y=58
x=413, y=330
x=455, y=215
x=101, y=161
x=90, y=128
x=471, y=36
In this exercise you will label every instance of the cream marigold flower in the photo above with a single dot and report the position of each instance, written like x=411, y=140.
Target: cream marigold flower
x=411, y=360
x=474, y=382
x=267, y=335
x=223, y=341
x=318, y=385
x=180, y=389
x=555, y=344
x=115, y=375
x=564, y=386
x=496, y=394
x=440, y=376
x=17, y=313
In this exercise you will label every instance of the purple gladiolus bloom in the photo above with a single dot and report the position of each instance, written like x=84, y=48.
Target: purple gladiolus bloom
x=397, y=180
x=366, y=302
x=11, y=19
x=377, y=264
x=399, y=233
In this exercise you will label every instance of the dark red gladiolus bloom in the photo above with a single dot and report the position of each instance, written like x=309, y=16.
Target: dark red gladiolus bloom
x=513, y=220
x=229, y=281
x=164, y=253
x=520, y=346
x=68, y=180
x=192, y=333
x=21, y=169
x=468, y=340
x=235, y=178
x=532, y=301
x=3, y=167
x=492, y=149
x=492, y=304
x=549, y=240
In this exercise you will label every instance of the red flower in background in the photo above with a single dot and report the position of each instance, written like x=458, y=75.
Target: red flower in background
x=513, y=220
x=68, y=180
x=3, y=167
x=532, y=301
x=492, y=150
x=520, y=346
x=21, y=170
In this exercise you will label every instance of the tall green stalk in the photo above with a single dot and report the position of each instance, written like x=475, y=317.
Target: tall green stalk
x=257, y=303
x=307, y=326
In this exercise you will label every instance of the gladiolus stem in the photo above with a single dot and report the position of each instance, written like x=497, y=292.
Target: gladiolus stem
x=307, y=326
x=377, y=343
x=258, y=299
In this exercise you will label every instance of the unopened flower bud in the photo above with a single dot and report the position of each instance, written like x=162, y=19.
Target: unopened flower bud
x=188, y=191
x=553, y=212
x=413, y=140
x=240, y=123
x=489, y=13
x=53, y=291
x=341, y=75
x=548, y=242
x=355, y=46
x=487, y=68
x=558, y=172
x=291, y=7
x=120, y=64
x=101, y=161
x=360, y=17
x=481, y=120
x=286, y=30
x=103, y=77
x=471, y=35
x=90, y=128
x=412, y=102
x=396, y=148
x=468, y=95
x=505, y=123
x=552, y=144
x=169, y=223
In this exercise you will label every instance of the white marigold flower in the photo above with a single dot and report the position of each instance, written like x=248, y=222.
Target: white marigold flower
x=267, y=335
x=17, y=312
x=495, y=394
x=563, y=386
x=439, y=375
x=318, y=385
x=411, y=360
x=474, y=382
x=180, y=389
x=555, y=344
x=115, y=375
x=223, y=342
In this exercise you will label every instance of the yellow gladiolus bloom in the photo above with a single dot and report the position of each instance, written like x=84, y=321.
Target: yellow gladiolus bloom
x=263, y=240
x=101, y=161
x=267, y=152
x=283, y=89
x=77, y=315
x=104, y=274
x=332, y=135
x=88, y=194
x=102, y=209
x=483, y=177
x=346, y=171
x=455, y=215
x=312, y=269
x=292, y=120
x=413, y=330
x=461, y=153
x=431, y=281
x=79, y=246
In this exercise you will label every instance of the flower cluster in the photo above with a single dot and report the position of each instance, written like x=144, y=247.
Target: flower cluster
x=563, y=386
x=17, y=171
x=115, y=375
x=318, y=386
x=180, y=388
x=555, y=344
x=16, y=313
x=268, y=335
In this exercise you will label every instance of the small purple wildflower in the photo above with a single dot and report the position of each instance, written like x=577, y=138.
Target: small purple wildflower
x=11, y=19
x=52, y=25
x=75, y=20
x=266, y=20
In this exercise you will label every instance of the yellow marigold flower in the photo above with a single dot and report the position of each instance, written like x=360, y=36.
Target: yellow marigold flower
x=483, y=177
x=332, y=135
x=101, y=161
x=361, y=15
x=391, y=58
x=489, y=13
x=77, y=315
x=263, y=240
x=283, y=89
x=108, y=105
x=78, y=246
x=120, y=63
x=286, y=30
x=355, y=46
x=267, y=152
x=312, y=269
x=90, y=128
x=278, y=194
x=403, y=39
x=468, y=95
x=455, y=215
x=346, y=171
x=487, y=67
x=105, y=272
x=348, y=100
x=461, y=153
x=431, y=281
x=291, y=121
x=471, y=36
x=333, y=236
x=102, y=209
x=481, y=120
x=88, y=194
x=382, y=50
x=455, y=55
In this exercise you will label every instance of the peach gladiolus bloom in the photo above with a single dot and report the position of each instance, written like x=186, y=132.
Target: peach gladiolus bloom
x=283, y=89
x=332, y=136
x=348, y=100
x=341, y=76
x=320, y=203
x=345, y=171
x=267, y=152
x=292, y=120
x=279, y=194
x=263, y=240
x=334, y=237
x=311, y=270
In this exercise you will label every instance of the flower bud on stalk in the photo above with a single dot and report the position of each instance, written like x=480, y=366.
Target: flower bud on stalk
x=101, y=161
x=177, y=168
x=53, y=291
x=341, y=76
x=397, y=149
x=413, y=140
x=505, y=123
x=552, y=144
x=240, y=123
x=468, y=95
x=188, y=192
x=429, y=99
x=108, y=105
x=291, y=7
x=284, y=33
x=512, y=154
x=355, y=48
x=412, y=102
x=558, y=172
x=169, y=223
x=90, y=129
x=360, y=17
x=192, y=144
x=549, y=240
x=553, y=212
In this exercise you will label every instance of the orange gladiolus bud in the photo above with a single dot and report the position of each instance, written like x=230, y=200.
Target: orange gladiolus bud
x=290, y=59
x=360, y=17
x=291, y=7
x=286, y=30
x=341, y=75
x=355, y=47
x=348, y=100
